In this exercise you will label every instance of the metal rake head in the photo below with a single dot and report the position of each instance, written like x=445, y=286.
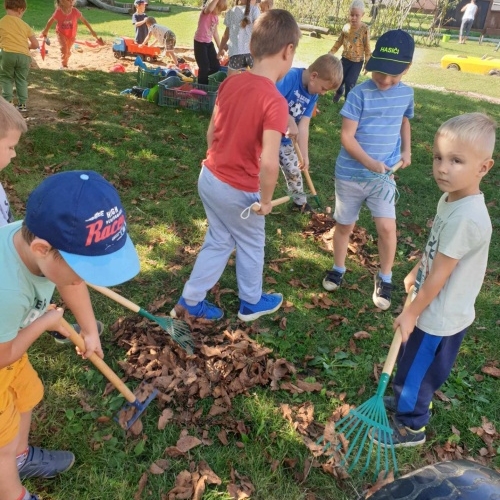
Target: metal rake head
x=179, y=331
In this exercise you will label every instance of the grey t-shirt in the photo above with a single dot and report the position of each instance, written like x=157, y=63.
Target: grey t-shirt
x=461, y=230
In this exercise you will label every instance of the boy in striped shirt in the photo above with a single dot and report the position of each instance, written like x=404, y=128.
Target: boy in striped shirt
x=375, y=135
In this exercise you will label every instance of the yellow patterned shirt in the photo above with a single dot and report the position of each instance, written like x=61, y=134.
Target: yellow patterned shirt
x=356, y=43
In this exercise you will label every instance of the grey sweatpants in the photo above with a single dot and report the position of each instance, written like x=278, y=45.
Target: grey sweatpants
x=226, y=231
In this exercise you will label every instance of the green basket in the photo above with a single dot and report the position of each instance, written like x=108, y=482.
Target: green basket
x=176, y=98
x=147, y=79
x=216, y=79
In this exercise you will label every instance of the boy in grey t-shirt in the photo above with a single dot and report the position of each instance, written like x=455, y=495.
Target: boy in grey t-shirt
x=449, y=276
x=12, y=125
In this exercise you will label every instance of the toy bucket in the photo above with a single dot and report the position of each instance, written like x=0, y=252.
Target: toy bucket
x=217, y=78
x=446, y=38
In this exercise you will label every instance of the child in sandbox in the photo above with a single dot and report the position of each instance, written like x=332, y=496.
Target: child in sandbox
x=163, y=36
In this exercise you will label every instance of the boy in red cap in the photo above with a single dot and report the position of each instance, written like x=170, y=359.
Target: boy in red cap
x=74, y=231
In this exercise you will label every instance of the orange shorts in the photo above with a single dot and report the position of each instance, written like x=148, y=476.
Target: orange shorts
x=20, y=391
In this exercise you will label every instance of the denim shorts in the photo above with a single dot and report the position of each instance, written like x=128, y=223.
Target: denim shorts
x=350, y=195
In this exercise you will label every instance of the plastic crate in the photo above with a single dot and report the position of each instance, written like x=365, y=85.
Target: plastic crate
x=176, y=98
x=147, y=79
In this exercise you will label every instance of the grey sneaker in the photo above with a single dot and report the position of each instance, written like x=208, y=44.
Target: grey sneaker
x=61, y=339
x=45, y=463
x=402, y=436
x=381, y=293
x=332, y=280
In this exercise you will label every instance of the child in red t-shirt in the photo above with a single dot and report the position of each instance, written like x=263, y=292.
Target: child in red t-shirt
x=244, y=136
x=66, y=16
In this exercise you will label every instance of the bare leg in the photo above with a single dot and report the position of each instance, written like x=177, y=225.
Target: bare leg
x=341, y=237
x=9, y=477
x=387, y=242
x=172, y=55
x=24, y=431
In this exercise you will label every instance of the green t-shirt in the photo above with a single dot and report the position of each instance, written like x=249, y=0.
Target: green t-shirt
x=23, y=296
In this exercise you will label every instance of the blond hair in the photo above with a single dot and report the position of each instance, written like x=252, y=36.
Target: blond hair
x=329, y=68
x=10, y=119
x=220, y=7
x=357, y=4
x=476, y=129
x=272, y=32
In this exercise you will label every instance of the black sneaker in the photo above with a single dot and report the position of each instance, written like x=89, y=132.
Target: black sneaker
x=402, y=436
x=382, y=293
x=305, y=208
x=61, y=339
x=332, y=280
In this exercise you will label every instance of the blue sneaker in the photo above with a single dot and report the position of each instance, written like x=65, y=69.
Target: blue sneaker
x=203, y=309
x=45, y=463
x=268, y=303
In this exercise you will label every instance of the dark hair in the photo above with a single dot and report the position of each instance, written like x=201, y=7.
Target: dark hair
x=15, y=4
x=246, y=19
x=150, y=20
x=272, y=32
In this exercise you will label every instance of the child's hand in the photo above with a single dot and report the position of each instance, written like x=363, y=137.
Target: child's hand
x=406, y=159
x=293, y=131
x=378, y=167
x=52, y=320
x=265, y=208
x=406, y=323
x=92, y=344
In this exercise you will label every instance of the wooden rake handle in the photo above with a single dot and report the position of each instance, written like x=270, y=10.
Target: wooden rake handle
x=305, y=172
x=100, y=364
x=396, y=341
x=116, y=297
x=395, y=168
x=274, y=203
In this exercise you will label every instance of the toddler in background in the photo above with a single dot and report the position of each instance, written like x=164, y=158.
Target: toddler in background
x=139, y=21
x=266, y=5
x=355, y=38
x=163, y=36
x=204, y=50
x=66, y=18
x=16, y=40
x=239, y=23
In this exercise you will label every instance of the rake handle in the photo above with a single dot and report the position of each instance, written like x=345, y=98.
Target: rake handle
x=397, y=340
x=305, y=172
x=116, y=297
x=100, y=364
x=274, y=203
x=396, y=167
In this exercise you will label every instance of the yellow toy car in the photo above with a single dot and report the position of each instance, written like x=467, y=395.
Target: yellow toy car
x=485, y=65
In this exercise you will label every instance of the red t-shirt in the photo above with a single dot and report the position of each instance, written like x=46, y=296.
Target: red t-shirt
x=247, y=105
x=67, y=24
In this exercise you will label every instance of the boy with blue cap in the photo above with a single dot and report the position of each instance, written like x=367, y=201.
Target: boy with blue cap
x=375, y=135
x=74, y=231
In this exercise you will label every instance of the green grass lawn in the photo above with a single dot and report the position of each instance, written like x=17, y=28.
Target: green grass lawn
x=152, y=155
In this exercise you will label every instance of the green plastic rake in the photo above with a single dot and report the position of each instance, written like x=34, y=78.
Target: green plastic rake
x=178, y=330
x=382, y=185
x=369, y=420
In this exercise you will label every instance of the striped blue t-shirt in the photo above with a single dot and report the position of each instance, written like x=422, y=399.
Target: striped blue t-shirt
x=379, y=115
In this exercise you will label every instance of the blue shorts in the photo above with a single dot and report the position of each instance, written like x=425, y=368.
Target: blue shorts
x=350, y=196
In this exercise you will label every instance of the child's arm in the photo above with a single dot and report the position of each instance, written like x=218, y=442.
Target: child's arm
x=338, y=43
x=411, y=277
x=223, y=42
x=292, y=131
x=366, y=46
x=441, y=269
x=77, y=298
x=352, y=146
x=303, y=140
x=33, y=42
x=405, y=142
x=211, y=126
x=45, y=31
x=210, y=6
x=140, y=23
x=12, y=351
x=146, y=40
x=217, y=39
x=92, y=32
x=269, y=169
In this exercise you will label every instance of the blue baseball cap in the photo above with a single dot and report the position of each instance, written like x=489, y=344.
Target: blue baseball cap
x=137, y=2
x=393, y=53
x=80, y=214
